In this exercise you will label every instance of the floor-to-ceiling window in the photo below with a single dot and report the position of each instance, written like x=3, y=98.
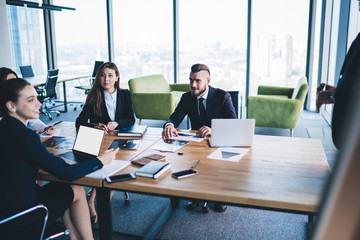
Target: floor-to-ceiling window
x=143, y=38
x=27, y=38
x=278, y=42
x=214, y=33
x=81, y=38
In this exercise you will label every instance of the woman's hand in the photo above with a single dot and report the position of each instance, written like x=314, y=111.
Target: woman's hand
x=112, y=125
x=108, y=156
x=51, y=130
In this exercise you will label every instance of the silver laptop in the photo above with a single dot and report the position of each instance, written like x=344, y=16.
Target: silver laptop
x=87, y=144
x=232, y=132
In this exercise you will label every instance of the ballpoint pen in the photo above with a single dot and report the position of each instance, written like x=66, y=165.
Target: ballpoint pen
x=50, y=126
x=194, y=164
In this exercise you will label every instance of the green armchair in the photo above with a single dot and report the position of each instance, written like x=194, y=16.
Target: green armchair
x=277, y=107
x=154, y=98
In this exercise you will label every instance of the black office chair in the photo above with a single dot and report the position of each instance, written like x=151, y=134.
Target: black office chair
x=30, y=223
x=235, y=101
x=91, y=78
x=27, y=71
x=48, y=92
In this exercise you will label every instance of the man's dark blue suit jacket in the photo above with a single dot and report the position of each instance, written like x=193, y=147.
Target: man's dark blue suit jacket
x=218, y=105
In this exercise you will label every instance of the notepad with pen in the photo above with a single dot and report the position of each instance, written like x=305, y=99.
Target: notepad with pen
x=153, y=169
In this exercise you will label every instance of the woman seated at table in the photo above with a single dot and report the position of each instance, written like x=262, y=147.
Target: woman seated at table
x=107, y=107
x=36, y=124
x=22, y=155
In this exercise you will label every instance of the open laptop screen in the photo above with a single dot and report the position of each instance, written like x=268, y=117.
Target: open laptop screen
x=89, y=140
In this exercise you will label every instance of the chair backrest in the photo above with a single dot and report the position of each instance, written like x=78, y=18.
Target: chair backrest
x=96, y=67
x=26, y=71
x=149, y=84
x=20, y=224
x=300, y=90
x=235, y=101
x=51, y=82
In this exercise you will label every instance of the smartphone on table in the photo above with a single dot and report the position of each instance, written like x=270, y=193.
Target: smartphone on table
x=183, y=174
x=121, y=177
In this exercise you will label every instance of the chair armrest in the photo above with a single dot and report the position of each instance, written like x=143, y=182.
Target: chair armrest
x=273, y=90
x=157, y=106
x=183, y=87
x=274, y=112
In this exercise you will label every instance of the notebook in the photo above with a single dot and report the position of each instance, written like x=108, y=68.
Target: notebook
x=87, y=144
x=153, y=169
x=148, y=158
x=232, y=132
x=132, y=131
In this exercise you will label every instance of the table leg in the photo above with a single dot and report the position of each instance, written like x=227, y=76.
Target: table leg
x=104, y=213
x=65, y=100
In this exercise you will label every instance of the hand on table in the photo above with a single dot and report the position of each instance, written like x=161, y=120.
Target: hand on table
x=108, y=156
x=204, y=131
x=169, y=131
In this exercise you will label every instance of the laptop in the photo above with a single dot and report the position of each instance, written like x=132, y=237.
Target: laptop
x=87, y=144
x=232, y=132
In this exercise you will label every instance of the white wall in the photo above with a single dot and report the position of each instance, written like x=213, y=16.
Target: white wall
x=5, y=56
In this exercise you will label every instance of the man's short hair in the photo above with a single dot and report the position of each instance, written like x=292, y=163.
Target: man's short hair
x=199, y=67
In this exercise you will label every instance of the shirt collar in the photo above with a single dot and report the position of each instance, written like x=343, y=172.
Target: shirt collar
x=203, y=96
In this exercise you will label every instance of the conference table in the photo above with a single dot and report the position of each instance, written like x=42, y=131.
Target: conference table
x=277, y=173
x=38, y=81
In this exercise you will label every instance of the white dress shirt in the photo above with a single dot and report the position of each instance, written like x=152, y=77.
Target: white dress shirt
x=110, y=102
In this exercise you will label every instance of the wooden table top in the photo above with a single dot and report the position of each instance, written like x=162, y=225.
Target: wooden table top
x=278, y=172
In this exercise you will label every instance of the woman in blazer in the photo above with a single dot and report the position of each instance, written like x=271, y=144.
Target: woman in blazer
x=36, y=124
x=22, y=155
x=107, y=107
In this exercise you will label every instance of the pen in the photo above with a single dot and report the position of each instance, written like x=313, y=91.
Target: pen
x=194, y=164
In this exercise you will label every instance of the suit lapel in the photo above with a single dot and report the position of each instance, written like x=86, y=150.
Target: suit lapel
x=118, y=105
x=209, y=103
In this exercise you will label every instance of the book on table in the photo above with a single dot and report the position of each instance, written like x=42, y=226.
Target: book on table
x=132, y=131
x=153, y=169
x=148, y=158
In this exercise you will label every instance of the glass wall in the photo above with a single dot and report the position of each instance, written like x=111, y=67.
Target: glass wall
x=81, y=38
x=278, y=42
x=143, y=38
x=27, y=39
x=214, y=33
x=354, y=21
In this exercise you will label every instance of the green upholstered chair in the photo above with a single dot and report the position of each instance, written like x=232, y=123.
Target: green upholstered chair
x=277, y=107
x=154, y=98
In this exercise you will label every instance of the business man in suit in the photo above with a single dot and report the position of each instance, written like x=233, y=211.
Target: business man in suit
x=201, y=104
x=343, y=94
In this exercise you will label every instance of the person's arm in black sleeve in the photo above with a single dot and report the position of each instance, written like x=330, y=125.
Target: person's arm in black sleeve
x=128, y=117
x=228, y=110
x=40, y=157
x=178, y=115
x=84, y=116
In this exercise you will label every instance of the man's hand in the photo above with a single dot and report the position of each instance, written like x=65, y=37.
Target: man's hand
x=108, y=156
x=323, y=95
x=169, y=131
x=204, y=131
x=112, y=125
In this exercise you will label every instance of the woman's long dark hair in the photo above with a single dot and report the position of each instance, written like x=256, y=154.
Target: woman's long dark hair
x=9, y=91
x=96, y=92
x=4, y=72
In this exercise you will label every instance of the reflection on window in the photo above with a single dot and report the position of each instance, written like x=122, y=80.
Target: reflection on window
x=214, y=33
x=81, y=39
x=143, y=36
x=27, y=38
x=278, y=42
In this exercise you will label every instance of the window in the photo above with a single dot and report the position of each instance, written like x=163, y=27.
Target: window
x=81, y=38
x=278, y=42
x=214, y=33
x=27, y=39
x=143, y=39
